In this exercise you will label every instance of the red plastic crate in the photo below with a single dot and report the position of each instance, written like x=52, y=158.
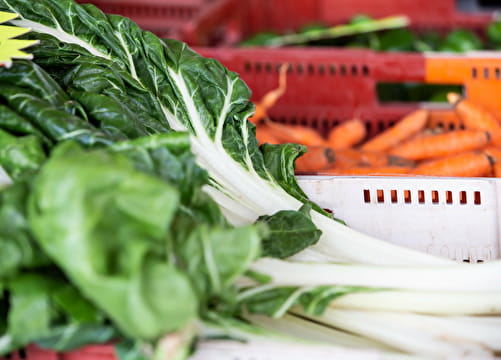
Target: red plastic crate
x=326, y=86
x=197, y=22
x=94, y=352
x=286, y=15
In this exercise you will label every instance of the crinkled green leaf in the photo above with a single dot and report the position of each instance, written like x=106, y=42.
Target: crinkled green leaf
x=18, y=248
x=20, y=155
x=289, y=232
x=116, y=219
x=73, y=336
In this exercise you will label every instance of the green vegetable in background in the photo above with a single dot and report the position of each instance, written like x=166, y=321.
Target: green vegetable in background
x=359, y=26
x=493, y=33
x=461, y=41
x=396, y=40
x=260, y=39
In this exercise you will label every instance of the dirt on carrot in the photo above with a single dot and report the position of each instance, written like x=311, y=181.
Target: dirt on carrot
x=495, y=154
x=315, y=159
x=347, y=158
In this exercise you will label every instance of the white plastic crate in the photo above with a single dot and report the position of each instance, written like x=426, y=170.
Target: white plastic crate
x=259, y=350
x=451, y=217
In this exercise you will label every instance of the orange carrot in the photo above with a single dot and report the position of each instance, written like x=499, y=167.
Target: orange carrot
x=315, y=159
x=440, y=145
x=445, y=120
x=495, y=154
x=467, y=164
x=405, y=128
x=376, y=171
x=347, y=158
x=347, y=134
x=296, y=134
x=265, y=134
x=425, y=133
x=475, y=117
x=270, y=98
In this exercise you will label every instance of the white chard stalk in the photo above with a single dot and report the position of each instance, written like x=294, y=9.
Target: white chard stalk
x=417, y=334
x=454, y=277
x=424, y=302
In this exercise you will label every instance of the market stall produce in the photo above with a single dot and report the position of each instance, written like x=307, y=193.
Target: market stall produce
x=144, y=216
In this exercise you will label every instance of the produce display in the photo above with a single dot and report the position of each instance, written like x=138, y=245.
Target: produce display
x=140, y=212
x=418, y=144
x=387, y=34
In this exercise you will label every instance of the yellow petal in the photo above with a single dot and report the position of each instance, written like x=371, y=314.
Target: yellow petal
x=5, y=16
x=9, y=32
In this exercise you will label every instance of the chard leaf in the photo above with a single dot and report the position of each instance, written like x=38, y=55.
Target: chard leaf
x=30, y=314
x=76, y=308
x=289, y=232
x=72, y=336
x=214, y=258
x=187, y=92
x=54, y=123
x=14, y=123
x=18, y=248
x=20, y=155
x=276, y=301
x=118, y=226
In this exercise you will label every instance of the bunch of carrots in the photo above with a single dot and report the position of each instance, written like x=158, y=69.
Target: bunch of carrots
x=413, y=146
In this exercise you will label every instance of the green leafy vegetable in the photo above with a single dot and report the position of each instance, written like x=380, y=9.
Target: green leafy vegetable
x=119, y=223
x=290, y=232
x=461, y=41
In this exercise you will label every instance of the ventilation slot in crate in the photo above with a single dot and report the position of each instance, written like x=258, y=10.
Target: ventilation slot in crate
x=380, y=196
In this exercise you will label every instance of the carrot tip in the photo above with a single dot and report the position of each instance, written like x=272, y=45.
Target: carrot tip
x=453, y=98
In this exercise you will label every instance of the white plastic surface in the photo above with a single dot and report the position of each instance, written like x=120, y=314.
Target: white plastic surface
x=451, y=217
x=233, y=350
x=4, y=178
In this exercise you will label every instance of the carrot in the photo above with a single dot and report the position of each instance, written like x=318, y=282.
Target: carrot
x=296, y=134
x=376, y=171
x=315, y=159
x=467, y=164
x=442, y=144
x=265, y=134
x=444, y=119
x=426, y=133
x=347, y=134
x=475, y=117
x=495, y=154
x=271, y=97
x=405, y=128
x=346, y=158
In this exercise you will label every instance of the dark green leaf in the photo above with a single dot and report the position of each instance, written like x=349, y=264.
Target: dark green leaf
x=289, y=232
x=73, y=336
